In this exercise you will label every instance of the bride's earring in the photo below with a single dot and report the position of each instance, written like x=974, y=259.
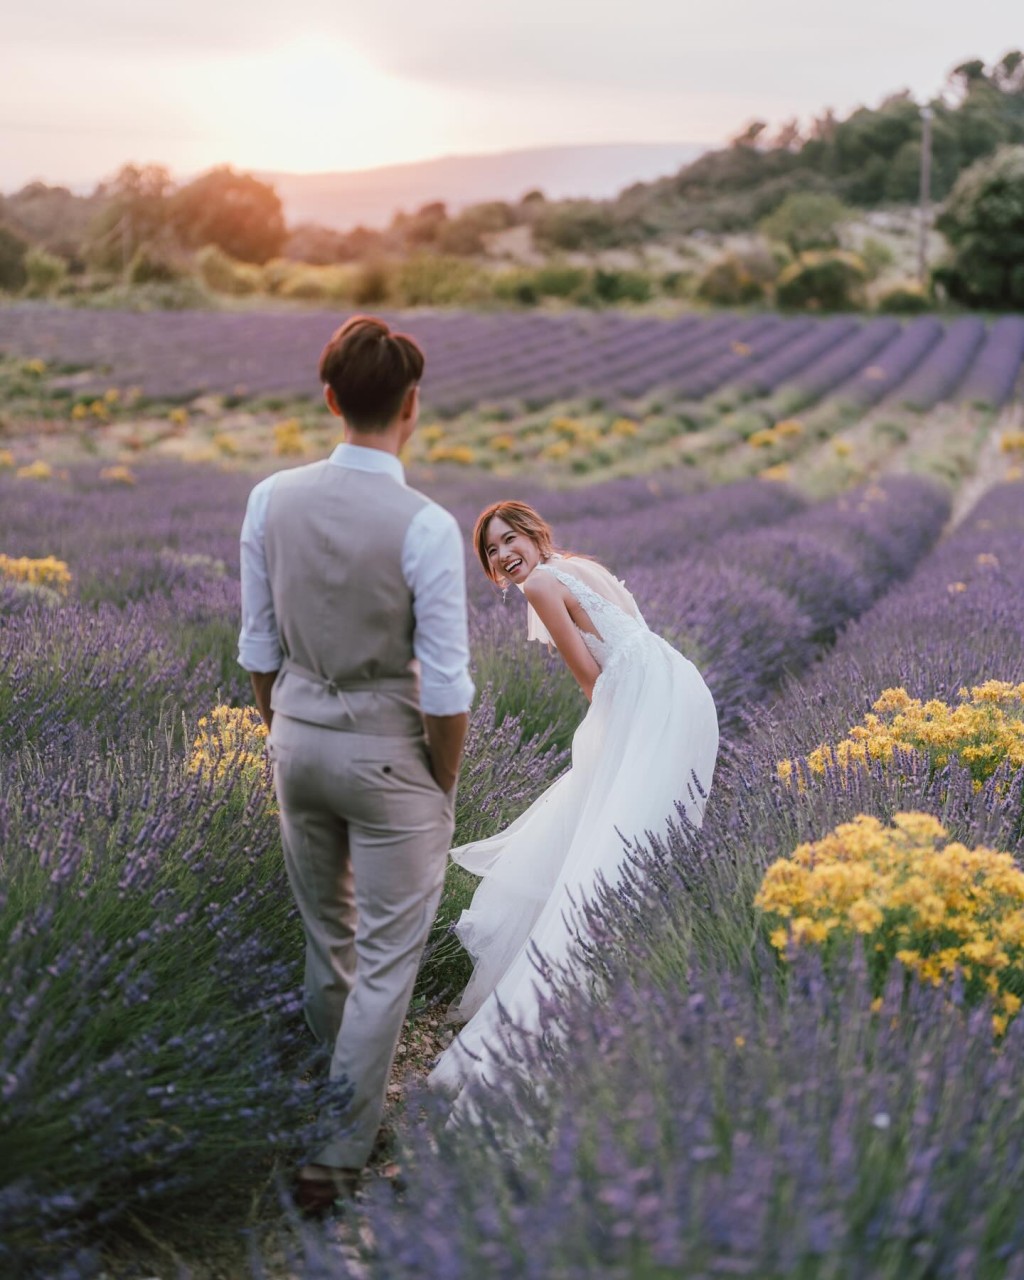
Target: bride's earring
x=504, y=594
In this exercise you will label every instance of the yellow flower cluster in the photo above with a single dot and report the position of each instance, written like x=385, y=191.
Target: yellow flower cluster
x=6, y=459
x=740, y=348
x=288, y=440
x=36, y=367
x=624, y=427
x=984, y=730
x=503, y=443
x=460, y=453
x=913, y=896
x=230, y=738
x=94, y=409
x=179, y=417
x=47, y=572
x=118, y=475
x=1012, y=442
x=781, y=471
x=842, y=448
x=38, y=470
x=784, y=429
x=431, y=434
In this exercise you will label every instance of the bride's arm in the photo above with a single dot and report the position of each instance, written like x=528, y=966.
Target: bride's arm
x=546, y=595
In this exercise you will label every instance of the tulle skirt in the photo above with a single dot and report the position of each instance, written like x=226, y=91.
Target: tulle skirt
x=647, y=744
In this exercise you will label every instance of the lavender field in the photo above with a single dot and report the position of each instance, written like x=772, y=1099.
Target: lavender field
x=729, y=1083
x=826, y=403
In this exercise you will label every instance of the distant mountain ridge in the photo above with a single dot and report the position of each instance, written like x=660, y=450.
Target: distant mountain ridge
x=371, y=197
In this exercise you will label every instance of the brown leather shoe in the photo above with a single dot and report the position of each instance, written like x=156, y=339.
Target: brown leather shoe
x=315, y=1197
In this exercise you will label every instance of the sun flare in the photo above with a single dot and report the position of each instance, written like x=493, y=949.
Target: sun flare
x=314, y=105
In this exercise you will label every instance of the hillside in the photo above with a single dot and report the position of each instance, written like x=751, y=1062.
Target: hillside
x=371, y=197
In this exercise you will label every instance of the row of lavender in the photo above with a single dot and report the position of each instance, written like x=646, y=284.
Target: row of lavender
x=712, y=1114
x=543, y=358
x=153, y=1049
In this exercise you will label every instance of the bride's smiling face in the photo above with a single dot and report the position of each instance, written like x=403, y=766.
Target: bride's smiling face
x=511, y=554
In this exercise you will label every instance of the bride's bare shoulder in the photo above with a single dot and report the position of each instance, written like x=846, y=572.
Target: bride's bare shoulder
x=541, y=584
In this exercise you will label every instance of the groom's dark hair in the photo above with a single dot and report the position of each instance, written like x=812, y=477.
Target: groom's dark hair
x=369, y=368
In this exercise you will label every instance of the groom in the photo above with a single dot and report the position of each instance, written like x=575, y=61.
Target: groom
x=354, y=632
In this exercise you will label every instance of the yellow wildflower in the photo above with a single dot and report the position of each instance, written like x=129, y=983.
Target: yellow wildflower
x=230, y=738
x=779, y=472
x=46, y=572
x=288, y=440
x=37, y=470
x=910, y=893
x=763, y=439
x=118, y=475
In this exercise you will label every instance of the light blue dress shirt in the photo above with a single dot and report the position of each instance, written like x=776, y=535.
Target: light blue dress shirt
x=434, y=570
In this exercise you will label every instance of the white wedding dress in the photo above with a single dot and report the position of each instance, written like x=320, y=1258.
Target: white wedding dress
x=650, y=730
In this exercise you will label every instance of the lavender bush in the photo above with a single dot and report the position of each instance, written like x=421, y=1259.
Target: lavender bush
x=474, y=358
x=148, y=928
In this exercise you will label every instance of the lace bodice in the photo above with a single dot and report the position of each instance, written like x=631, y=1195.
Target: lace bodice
x=617, y=629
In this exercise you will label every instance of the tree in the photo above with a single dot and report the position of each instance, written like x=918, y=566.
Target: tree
x=135, y=212
x=806, y=220
x=13, y=249
x=234, y=211
x=984, y=223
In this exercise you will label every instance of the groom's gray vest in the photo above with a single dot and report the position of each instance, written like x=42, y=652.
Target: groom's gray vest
x=333, y=541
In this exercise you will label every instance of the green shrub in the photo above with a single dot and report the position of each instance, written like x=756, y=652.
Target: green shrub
x=806, y=220
x=984, y=223
x=621, y=286
x=576, y=224
x=876, y=256
x=822, y=282
x=224, y=274
x=430, y=280
x=312, y=284
x=44, y=273
x=728, y=282
x=905, y=298
x=559, y=280
x=373, y=283
x=12, y=260
x=517, y=286
x=150, y=266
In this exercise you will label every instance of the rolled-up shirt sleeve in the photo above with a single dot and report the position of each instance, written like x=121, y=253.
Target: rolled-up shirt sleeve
x=433, y=566
x=259, y=642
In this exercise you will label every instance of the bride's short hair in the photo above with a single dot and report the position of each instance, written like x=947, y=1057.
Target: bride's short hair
x=519, y=516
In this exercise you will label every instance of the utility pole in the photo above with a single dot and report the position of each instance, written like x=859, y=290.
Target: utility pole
x=925, y=195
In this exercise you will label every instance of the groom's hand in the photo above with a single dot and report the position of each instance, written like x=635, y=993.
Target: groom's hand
x=446, y=736
x=262, y=683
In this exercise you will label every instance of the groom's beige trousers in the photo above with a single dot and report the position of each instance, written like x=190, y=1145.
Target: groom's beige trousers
x=366, y=832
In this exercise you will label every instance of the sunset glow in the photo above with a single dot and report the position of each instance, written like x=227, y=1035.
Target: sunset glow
x=313, y=105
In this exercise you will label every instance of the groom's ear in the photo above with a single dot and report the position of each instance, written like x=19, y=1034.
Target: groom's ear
x=410, y=403
x=332, y=400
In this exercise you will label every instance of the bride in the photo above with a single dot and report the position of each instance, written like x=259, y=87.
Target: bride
x=650, y=734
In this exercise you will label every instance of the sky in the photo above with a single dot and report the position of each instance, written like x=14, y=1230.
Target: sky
x=321, y=85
